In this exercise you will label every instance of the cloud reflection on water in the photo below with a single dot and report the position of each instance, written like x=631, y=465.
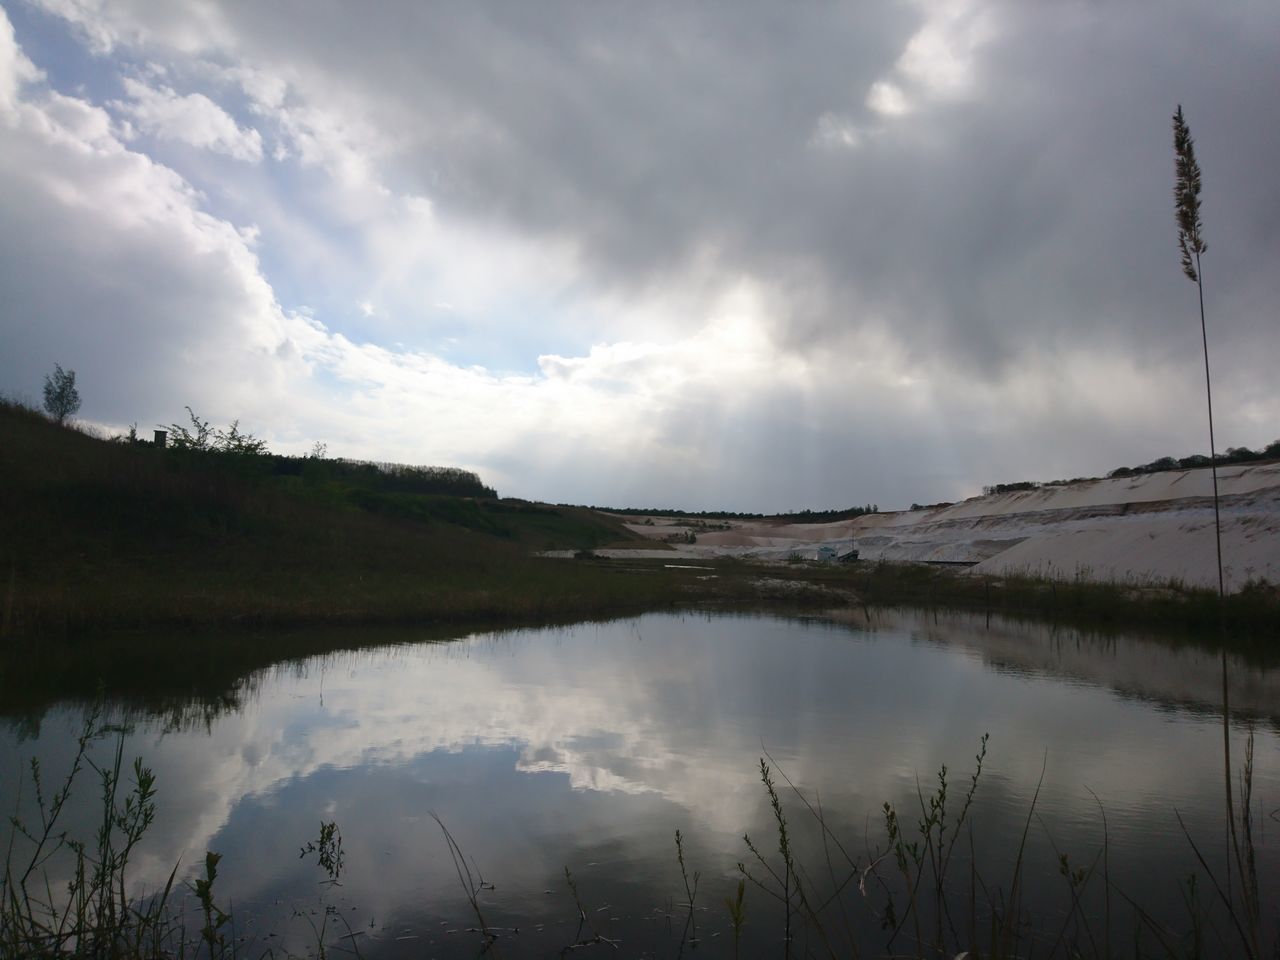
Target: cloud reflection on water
x=592, y=744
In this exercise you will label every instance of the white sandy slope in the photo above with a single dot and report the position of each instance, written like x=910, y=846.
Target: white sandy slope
x=1144, y=530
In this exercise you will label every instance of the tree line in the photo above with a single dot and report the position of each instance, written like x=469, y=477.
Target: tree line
x=1195, y=461
x=199, y=436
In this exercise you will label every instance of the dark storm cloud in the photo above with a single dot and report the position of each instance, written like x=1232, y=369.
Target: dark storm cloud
x=1031, y=210
x=952, y=222
x=645, y=131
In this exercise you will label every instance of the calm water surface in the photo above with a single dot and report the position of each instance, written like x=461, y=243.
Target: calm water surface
x=588, y=747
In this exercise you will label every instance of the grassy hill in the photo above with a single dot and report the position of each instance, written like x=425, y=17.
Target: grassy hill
x=102, y=535
x=108, y=533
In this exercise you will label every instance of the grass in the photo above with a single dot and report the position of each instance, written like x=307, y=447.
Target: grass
x=113, y=535
x=97, y=914
x=1251, y=616
x=909, y=879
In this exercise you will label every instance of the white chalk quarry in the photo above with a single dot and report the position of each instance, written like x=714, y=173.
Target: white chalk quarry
x=1147, y=529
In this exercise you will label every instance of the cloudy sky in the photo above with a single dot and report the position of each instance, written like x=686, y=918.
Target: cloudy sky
x=758, y=256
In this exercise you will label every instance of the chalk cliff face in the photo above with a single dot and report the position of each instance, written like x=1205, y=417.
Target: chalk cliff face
x=1148, y=528
x=1144, y=529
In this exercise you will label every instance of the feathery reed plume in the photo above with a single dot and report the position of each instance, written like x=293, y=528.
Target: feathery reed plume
x=1186, y=202
x=1186, y=207
x=1186, y=196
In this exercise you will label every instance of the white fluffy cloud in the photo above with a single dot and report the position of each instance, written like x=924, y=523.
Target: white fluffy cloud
x=193, y=119
x=941, y=57
x=15, y=68
x=938, y=61
x=886, y=97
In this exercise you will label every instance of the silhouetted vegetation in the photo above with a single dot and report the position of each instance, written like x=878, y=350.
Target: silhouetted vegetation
x=61, y=398
x=399, y=477
x=378, y=476
x=1010, y=487
x=1233, y=455
x=1193, y=461
x=201, y=437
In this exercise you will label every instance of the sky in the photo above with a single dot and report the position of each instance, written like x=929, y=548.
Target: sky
x=745, y=256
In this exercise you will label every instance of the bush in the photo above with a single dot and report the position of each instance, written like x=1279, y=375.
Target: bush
x=202, y=437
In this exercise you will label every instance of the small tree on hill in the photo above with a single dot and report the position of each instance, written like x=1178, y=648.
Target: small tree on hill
x=61, y=399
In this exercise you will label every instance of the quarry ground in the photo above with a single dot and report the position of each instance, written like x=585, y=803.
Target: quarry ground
x=1145, y=530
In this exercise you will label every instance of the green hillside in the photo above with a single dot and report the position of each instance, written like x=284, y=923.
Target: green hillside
x=106, y=533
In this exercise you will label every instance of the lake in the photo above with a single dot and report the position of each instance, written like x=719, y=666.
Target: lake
x=587, y=747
